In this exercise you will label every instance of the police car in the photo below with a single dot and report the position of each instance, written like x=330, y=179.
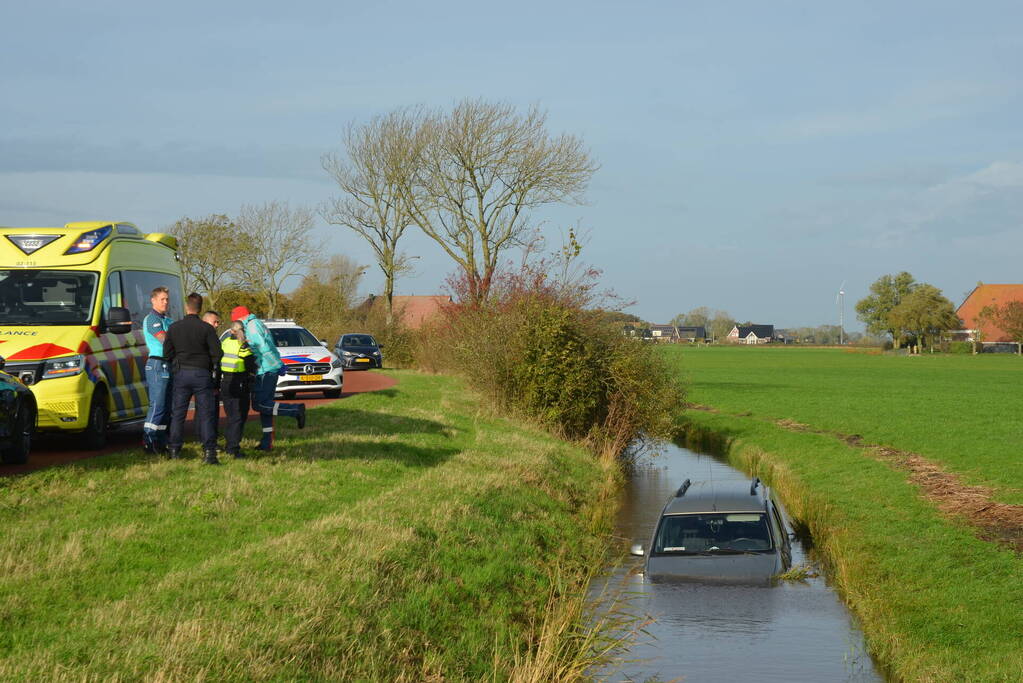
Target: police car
x=308, y=364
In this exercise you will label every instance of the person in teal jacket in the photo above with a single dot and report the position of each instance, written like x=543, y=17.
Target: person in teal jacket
x=268, y=368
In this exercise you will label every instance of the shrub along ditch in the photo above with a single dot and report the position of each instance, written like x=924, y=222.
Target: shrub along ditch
x=540, y=349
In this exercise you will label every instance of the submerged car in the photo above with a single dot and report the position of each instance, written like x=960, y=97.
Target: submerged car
x=729, y=531
x=359, y=351
x=17, y=419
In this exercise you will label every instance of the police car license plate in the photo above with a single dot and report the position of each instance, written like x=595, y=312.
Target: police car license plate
x=311, y=378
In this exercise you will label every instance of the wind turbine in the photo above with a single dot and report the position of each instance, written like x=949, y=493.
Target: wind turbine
x=840, y=302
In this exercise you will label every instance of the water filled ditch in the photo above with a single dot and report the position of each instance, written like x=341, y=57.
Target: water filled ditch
x=790, y=631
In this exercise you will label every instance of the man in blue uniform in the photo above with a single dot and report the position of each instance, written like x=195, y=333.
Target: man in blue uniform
x=268, y=368
x=158, y=378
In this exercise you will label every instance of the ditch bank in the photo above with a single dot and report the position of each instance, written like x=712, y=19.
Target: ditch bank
x=936, y=601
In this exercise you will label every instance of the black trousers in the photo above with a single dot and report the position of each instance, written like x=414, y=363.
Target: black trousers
x=189, y=382
x=234, y=394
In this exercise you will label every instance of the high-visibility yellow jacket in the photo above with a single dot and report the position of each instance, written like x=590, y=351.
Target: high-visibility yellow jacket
x=235, y=354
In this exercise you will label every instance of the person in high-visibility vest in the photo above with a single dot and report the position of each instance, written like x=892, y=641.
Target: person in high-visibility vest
x=235, y=367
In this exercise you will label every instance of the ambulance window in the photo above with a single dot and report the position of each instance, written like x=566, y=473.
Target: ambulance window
x=138, y=287
x=112, y=294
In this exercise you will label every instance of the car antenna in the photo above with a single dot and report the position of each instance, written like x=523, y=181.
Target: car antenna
x=682, y=489
x=753, y=486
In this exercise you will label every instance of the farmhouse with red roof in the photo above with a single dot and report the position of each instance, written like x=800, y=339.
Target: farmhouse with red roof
x=981, y=296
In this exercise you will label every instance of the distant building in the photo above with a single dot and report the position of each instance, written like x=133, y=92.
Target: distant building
x=751, y=334
x=664, y=333
x=692, y=333
x=411, y=311
x=981, y=297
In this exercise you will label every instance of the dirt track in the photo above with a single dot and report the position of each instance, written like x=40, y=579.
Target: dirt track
x=50, y=450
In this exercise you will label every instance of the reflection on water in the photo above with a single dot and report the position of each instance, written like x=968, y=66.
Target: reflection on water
x=794, y=631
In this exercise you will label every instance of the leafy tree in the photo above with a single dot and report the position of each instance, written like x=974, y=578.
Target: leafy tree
x=924, y=313
x=886, y=293
x=277, y=245
x=698, y=317
x=720, y=325
x=375, y=178
x=1010, y=319
x=326, y=297
x=208, y=249
x=480, y=170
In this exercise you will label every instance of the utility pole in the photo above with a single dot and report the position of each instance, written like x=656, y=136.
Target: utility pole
x=840, y=300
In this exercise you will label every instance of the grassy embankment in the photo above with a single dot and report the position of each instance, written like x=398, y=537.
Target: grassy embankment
x=402, y=536
x=936, y=601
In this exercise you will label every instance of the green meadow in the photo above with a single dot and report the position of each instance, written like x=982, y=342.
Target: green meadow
x=936, y=601
x=403, y=535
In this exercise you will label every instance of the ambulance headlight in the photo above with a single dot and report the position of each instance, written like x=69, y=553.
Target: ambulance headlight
x=63, y=367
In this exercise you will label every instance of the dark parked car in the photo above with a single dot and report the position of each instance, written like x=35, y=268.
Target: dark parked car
x=17, y=419
x=359, y=351
x=730, y=531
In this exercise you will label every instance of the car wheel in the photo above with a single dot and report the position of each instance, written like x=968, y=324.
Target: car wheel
x=21, y=439
x=332, y=393
x=95, y=436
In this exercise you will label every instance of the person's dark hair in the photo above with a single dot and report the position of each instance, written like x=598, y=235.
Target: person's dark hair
x=193, y=303
x=159, y=290
x=212, y=312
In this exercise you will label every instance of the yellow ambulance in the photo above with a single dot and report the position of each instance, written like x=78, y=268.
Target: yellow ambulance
x=72, y=301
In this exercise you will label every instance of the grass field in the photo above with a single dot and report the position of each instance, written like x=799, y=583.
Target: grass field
x=937, y=602
x=964, y=411
x=402, y=536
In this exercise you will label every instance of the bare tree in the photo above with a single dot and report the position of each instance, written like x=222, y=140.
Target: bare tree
x=481, y=170
x=375, y=177
x=208, y=249
x=278, y=245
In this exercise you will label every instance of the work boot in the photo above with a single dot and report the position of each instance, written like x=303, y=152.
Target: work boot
x=237, y=454
x=211, y=457
x=301, y=416
x=174, y=453
x=148, y=447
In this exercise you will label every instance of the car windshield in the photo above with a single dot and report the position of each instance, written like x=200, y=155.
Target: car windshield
x=713, y=532
x=358, y=340
x=46, y=297
x=293, y=336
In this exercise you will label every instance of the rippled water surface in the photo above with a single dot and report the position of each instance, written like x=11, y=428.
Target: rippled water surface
x=793, y=631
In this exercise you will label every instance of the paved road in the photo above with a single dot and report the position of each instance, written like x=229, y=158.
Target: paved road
x=49, y=450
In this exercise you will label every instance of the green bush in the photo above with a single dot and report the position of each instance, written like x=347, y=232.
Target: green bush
x=541, y=354
x=960, y=347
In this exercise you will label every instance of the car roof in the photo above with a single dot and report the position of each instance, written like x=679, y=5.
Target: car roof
x=271, y=324
x=718, y=496
x=357, y=334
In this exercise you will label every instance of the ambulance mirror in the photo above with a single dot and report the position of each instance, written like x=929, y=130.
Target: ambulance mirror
x=2, y=362
x=118, y=320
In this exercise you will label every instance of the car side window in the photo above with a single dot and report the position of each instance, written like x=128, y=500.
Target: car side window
x=778, y=529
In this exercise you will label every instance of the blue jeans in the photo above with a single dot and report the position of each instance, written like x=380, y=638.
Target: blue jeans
x=189, y=382
x=158, y=386
x=263, y=402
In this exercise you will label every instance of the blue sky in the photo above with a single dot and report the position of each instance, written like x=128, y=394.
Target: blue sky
x=753, y=155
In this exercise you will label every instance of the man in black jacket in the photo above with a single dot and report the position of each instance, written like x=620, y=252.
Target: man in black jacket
x=193, y=350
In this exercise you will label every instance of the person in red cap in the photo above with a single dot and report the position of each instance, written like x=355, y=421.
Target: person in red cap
x=268, y=368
